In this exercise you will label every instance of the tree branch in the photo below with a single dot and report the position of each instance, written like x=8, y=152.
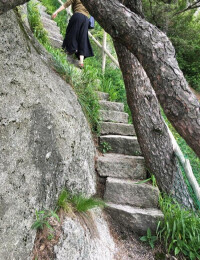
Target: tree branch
x=190, y=7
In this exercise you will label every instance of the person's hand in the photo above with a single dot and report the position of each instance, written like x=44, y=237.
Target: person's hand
x=54, y=15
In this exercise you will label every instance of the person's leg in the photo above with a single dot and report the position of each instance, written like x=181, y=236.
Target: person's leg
x=70, y=43
x=81, y=60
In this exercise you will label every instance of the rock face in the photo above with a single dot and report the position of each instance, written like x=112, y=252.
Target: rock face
x=45, y=141
x=91, y=243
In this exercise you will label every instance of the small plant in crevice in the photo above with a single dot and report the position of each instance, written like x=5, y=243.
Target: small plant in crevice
x=79, y=202
x=149, y=238
x=152, y=179
x=83, y=204
x=105, y=147
x=63, y=201
x=42, y=219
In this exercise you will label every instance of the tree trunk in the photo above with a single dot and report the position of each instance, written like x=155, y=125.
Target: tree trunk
x=150, y=128
x=6, y=5
x=157, y=56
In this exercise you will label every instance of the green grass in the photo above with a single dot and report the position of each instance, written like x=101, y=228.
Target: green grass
x=77, y=202
x=180, y=230
x=35, y=23
x=83, y=204
x=42, y=219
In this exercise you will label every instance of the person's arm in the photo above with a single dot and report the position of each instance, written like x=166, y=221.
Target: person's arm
x=62, y=7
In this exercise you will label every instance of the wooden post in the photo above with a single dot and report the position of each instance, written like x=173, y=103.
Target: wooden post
x=103, y=52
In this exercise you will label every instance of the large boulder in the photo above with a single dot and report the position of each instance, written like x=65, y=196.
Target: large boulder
x=87, y=242
x=45, y=140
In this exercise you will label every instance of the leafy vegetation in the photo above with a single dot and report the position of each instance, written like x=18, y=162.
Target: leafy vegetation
x=149, y=238
x=183, y=30
x=79, y=202
x=105, y=147
x=35, y=23
x=42, y=219
x=180, y=229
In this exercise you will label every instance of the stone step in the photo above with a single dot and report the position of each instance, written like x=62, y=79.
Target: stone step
x=127, y=145
x=48, y=21
x=110, y=128
x=108, y=105
x=43, y=13
x=128, y=192
x=41, y=7
x=121, y=166
x=134, y=219
x=55, y=35
x=113, y=116
x=56, y=43
x=50, y=25
x=102, y=95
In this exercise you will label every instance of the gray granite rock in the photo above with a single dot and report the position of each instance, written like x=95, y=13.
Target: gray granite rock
x=121, y=166
x=129, y=192
x=45, y=140
x=113, y=116
x=110, y=128
x=102, y=95
x=55, y=41
x=134, y=219
x=108, y=105
x=91, y=242
x=127, y=145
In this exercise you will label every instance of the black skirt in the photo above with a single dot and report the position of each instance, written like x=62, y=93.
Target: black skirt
x=76, y=38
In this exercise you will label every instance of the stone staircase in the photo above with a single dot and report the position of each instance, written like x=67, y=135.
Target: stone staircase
x=50, y=26
x=131, y=204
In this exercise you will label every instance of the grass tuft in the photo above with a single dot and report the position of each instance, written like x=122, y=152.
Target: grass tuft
x=180, y=230
x=77, y=202
x=83, y=204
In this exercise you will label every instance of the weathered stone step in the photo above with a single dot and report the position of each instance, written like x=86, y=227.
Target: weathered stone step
x=55, y=35
x=134, y=219
x=43, y=13
x=48, y=21
x=128, y=192
x=121, y=166
x=50, y=25
x=55, y=42
x=102, y=95
x=113, y=116
x=109, y=128
x=108, y=105
x=127, y=145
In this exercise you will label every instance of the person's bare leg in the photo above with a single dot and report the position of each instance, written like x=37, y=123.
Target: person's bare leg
x=81, y=61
